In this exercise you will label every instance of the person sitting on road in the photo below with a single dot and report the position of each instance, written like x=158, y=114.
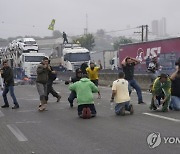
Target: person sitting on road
x=161, y=93
x=84, y=90
x=72, y=95
x=120, y=92
x=175, y=92
x=92, y=72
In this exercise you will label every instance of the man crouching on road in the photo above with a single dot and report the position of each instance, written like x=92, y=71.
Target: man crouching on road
x=84, y=90
x=161, y=93
x=120, y=92
x=41, y=82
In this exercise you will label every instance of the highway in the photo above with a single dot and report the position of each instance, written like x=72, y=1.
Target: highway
x=60, y=131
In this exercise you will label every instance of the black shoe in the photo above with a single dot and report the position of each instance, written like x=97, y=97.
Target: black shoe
x=71, y=105
x=141, y=102
x=15, y=107
x=58, y=98
x=5, y=106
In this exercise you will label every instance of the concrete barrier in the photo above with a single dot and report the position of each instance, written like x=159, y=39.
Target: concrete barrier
x=106, y=79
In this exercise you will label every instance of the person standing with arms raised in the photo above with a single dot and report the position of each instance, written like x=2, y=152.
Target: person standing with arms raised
x=128, y=68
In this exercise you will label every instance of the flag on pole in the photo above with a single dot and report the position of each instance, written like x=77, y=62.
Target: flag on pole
x=51, y=26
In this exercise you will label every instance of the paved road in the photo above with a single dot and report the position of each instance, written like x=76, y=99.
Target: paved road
x=60, y=131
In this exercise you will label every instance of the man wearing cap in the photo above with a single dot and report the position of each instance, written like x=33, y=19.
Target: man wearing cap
x=161, y=93
x=92, y=72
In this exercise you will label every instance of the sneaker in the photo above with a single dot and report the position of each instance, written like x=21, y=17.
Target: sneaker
x=131, y=110
x=122, y=111
x=58, y=98
x=84, y=113
x=5, y=106
x=141, y=103
x=15, y=107
x=156, y=103
x=88, y=113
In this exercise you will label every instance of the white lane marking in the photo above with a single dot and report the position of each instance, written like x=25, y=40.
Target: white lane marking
x=35, y=99
x=162, y=117
x=28, y=122
x=19, y=135
x=1, y=114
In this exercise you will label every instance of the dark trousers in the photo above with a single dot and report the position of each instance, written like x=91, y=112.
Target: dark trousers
x=50, y=90
x=5, y=91
x=71, y=97
x=91, y=106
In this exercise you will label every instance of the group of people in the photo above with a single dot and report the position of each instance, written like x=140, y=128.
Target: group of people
x=165, y=89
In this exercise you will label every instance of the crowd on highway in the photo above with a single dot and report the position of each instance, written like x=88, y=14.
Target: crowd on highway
x=165, y=89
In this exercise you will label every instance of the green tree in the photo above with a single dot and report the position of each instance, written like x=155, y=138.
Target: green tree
x=86, y=41
x=120, y=41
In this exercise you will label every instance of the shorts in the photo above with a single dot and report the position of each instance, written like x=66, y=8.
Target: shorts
x=95, y=82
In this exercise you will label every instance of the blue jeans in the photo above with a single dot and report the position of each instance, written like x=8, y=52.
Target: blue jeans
x=5, y=91
x=175, y=103
x=119, y=106
x=134, y=84
x=71, y=97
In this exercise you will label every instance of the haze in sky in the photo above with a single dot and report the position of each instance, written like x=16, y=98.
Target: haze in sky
x=32, y=17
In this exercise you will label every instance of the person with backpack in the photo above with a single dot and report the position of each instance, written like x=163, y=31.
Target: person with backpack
x=52, y=75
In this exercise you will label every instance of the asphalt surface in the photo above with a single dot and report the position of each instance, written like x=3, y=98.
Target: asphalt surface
x=60, y=131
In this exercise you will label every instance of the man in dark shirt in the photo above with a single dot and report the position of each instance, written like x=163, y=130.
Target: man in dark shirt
x=175, y=92
x=72, y=95
x=128, y=68
x=7, y=75
x=65, y=38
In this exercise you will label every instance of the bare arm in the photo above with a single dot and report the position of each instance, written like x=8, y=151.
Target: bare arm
x=124, y=62
x=173, y=76
x=113, y=95
x=135, y=60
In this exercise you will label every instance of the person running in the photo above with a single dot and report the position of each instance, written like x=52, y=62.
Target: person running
x=72, y=95
x=128, y=68
x=65, y=38
x=7, y=75
x=120, y=92
x=84, y=90
x=41, y=82
x=83, y=67
x=51, y=77
x=161, y=93
x=92, y=72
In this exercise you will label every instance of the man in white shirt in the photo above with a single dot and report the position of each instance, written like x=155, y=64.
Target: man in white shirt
x=120, y=94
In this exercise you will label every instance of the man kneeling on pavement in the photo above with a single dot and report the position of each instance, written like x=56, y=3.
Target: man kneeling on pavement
x=161, y=93
x=84, y=90
x=120, y=92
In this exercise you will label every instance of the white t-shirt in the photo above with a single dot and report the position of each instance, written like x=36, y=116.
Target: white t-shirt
x=122, y=92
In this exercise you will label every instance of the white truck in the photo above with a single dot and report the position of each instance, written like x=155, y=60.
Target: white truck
x=28, y=62
x=71, y=56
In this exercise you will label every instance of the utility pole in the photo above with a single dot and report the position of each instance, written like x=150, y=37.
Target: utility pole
x=142, y=32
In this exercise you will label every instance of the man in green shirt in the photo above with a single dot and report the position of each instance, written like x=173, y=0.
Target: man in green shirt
x=161, y=93
x=84, y=90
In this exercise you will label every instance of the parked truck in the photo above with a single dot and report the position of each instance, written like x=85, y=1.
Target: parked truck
x=71, y=56
x=167, y=51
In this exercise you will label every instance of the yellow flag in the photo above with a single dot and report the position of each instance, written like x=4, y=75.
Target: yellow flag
x=51, y=26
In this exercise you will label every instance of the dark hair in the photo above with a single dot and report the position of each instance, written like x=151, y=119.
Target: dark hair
x=78, y=70
x=4, y=61
x=127, y=58
x=84, y=76
x=45, y=58
x=163, y=76
x=91, y=62
x=121, y=75
x=178, y=62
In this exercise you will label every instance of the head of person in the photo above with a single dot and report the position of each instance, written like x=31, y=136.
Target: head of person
x=121, y=75
x=128, y=60
x=84, y=76
x=45, y=61
x=5, y=63
x=92, y=65
x=163, y=78
x=78, y=73
x=154, y=59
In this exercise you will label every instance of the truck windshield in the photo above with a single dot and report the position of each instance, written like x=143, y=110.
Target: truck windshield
x=76, y=57
x=33, y=58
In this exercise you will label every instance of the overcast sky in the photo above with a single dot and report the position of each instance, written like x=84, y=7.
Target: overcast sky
x=32, y=17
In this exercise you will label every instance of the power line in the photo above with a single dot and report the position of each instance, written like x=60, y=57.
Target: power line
x=121, y=30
